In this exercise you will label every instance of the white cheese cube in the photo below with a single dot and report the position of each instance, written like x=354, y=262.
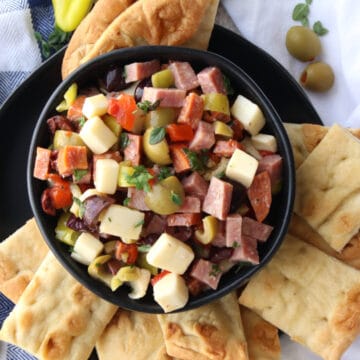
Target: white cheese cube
x=106, y=175
x=121, y=221
x=96, y=105
x=97, y=136
x=249, y=114
x=87, y=247
x=140, y=285
x=241, y=167
x=264, y=142
x=170, y=254
x=171, y=292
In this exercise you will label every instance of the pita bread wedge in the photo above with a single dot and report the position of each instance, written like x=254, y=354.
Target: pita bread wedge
x=56, y=317
x=262, y=338
x=89, y=30
x=312, y=297
x=20, y=256
x=213, y=331
x=327, y=189
x=132, y=335
x=161, y=22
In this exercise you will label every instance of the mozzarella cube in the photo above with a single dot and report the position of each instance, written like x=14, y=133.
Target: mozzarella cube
x=140, y=285
x=264, y=142
x=242, y=167
x=169, y=253
x=96, y=105
x=249, y=114
x=171, y=292
x=87, y=247
x=121, y=221
x=106, y=175
x=97, y=136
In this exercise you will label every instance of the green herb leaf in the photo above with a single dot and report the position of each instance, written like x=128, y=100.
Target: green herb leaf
x=140, y=178
x=140, y=223
x=197, y=161
x=308, y=2
x=144, y=248
x=319, y=29
x=229, y=89
x=176, y=198
x=79, y=174
x=81, y=206
x=215, y=270
x=164, y=173
x=126, y=201
x=56, y=40
x=147, y=105
x=300, y=12
x=157, y=134
x=220, y=175
x=81, y=121
x=124, y=140
x=305, y=22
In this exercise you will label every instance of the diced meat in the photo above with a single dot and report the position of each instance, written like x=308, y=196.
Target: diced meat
x=182, y=233
x=59, y=122
x=211, y=80
x=273, y=165
x=133, y=150
x=184, y=75
x=212, y=116
x=42, y=163
x=207, y=272
x=75, y=110
x=259, y=194
x=191, y=204
x=238, y=130
x=204, y=137
x=218, y=255
x=195, y=185
x=220, y=238
x=226, y=147
x=218, y=198
x=167, y=97
x=156, y=225
x=195, y=286
x=181, y=162
x=255, y=229
x=247, y=251
x=186, y=219
x=93, y=207
x=233, y=230
x=71, y=158
x=192, y=111
x=137, y=199
x=140, y=70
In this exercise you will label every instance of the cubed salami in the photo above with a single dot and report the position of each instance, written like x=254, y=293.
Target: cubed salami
x=273, y=165
x=167, y=97
x=133, y=150
x=211, y=80
x=192, y=111
x=258, y=230
x=184, y=75
x=247, y=251
x=140, y=70
x=204, y=137
x=233, y=230
x=207, y=272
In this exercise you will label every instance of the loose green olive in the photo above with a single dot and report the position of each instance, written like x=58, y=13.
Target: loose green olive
x=317, y=76
x=64, y=137
x=165, y=197
x=303, y=43
x=160, y=117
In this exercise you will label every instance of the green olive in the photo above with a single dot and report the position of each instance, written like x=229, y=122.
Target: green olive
x=317, y=76
x=64, y=137
x=157, y=153
x=160, y=117
x=303, y=43
x=216, y=102
x=166, y=196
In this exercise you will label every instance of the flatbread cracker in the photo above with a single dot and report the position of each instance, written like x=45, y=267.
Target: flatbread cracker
x=132, y=335
x=328, y=190
x=20, y=256
x=312, y=297
x=161, y=22
x=56, y=317
x=212, y=331
x=262, y=338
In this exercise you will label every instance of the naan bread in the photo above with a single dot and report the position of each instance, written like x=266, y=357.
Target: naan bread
x=56, y=317
x=213, y=331
x=309, y=295
x=262, y=338
x=20, y=256
x=328, y=190
x=132, y=335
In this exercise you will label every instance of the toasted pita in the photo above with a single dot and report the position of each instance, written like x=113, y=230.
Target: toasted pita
x=312, y=297
x=20, y=256
x=327, y=189
x=132, y=335
x=56, y=317
x=262, y=338
x=161, y=22
x=213, y=331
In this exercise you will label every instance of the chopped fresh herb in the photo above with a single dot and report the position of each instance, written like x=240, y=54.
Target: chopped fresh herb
x=229, y=89
x=176, y=198
x=140, y=223
x=157, y=135
x=164, y=173
x=56, y=40
x=236, y=244
x=124, y=140
x=215, y=270
x=319, y=29
x=197, y=161
x=109, y=219
x=81, y=121
x=79, y=174
x=126, y=201
x=81, y=206
x=144, y=248
x=220, y=175
x=140, y=178
x=147, y=105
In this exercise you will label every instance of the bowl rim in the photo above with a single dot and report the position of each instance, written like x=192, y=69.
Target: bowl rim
x=154, y=52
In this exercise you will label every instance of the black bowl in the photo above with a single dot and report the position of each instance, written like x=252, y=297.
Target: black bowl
x=281, y=209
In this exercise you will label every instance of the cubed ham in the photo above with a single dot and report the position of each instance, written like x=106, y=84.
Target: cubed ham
x=192, y=111
x=207, y=272
x=140, y=70
x=184, y=75
x=218, y=198
x=204, y=137
x=273, y=165
x=233, y=230
x=133, y=150
x=247, y=251
x=186, y=219
x=211, y=80
x=137, y=199
x=220, y=238
x=255, y=229
x=42, y=163
x=195, y=185
x=191, y=204
x=167, y=97
x=226, y=147
x=156, y=225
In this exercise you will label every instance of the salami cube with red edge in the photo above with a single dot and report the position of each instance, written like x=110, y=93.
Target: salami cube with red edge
x=140, y=70
x=42, y=163
x=195, y=185
x=192, y=111
x=204, y=137
x=259, y=194
x=180, y=160
x=133, y=150
x=211, y=80
x=186, y=219
x=233, y=230
x=226, y=147
x=184, y=75
x=207, y=272
x=258, y=230
x=167, y=97
x=273, y=165
x=218, y=198
x=247, y=251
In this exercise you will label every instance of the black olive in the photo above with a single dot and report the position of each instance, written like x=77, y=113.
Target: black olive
x=140, y=88
x=114, y=80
